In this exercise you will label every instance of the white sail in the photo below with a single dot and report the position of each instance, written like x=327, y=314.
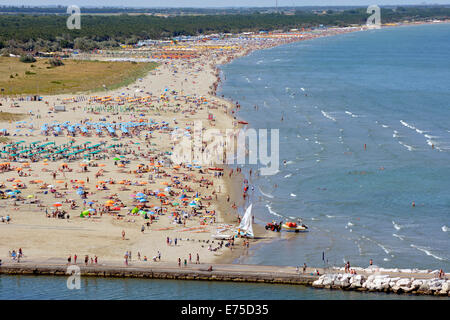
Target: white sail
x=246, y=223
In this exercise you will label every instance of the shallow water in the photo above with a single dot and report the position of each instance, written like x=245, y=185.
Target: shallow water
x=384, y=88
x=54, y=288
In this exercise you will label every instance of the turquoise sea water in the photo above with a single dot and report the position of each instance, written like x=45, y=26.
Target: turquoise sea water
x=388, y=89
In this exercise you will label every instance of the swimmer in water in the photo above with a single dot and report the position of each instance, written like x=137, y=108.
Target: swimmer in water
x=284, y=162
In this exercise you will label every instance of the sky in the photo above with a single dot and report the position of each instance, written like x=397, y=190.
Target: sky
x=215, y=3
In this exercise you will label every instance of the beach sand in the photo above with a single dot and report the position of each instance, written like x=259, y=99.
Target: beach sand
x=42, y=237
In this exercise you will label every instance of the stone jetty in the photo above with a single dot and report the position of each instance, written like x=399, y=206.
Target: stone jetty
x=422, y=282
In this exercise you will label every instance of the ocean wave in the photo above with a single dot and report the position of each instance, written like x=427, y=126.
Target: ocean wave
x=273, y=212
x=326, y=115
x=444, y=228
x=396, y=226
x=428, y=253
x=386, y=250
x=397, y=236
x=350, y=224
x=384, y=126
x=303, y=89
x=293, y=195
x=265, y=194
x=328, y=216
x=351, y=114
x=395, y=135
x=406, y=124
x=406, y=146
x=288, y=175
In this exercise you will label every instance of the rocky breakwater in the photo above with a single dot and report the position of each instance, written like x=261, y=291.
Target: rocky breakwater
x=383, y=283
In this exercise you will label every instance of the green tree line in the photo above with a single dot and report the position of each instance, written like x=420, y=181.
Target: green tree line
x=26, y=32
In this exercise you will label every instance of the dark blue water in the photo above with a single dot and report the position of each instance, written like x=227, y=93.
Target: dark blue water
x=388, y=89
x=43, y=287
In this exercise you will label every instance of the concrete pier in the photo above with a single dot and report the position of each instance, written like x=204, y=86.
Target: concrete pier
x=220, y=272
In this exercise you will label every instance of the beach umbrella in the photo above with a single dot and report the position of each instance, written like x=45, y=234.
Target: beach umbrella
x=116, y=159
x=57, y=204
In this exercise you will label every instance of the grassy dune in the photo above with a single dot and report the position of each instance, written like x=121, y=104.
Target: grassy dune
x=75, y=76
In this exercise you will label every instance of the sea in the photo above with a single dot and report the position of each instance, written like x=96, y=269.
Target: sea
x=364, y=132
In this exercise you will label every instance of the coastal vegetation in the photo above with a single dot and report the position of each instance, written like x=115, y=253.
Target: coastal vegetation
x=48, y=32
x=42, y=77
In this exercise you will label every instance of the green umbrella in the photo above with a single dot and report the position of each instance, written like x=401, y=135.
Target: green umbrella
x=116, y=159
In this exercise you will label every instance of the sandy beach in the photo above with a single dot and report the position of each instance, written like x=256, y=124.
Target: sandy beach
x=50, y=187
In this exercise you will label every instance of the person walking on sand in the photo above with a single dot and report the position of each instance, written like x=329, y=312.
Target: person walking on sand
x=142, y=228
x=86, y=260
x=69, y=259
x=179, y=262
x=123, y=234
x=190, y=258
x=198, y=259
x=75, y=258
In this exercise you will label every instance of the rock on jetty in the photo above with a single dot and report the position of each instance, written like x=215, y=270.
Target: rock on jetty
x=383, y=283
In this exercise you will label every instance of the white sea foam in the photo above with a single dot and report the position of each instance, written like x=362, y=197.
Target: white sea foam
x=326, y=115
x=444, y=228
x=384, y=126
x=406, y=146
x=387, y=251
x=272, y=212
x=406, y=124
x=288, y=175
x=293, y=195
x=350, y=224
x=396, y=226
x=328, y=216
x=265, y=194
x=351, y=114
x=395, y=135
x=303, y=89
x=397, y=236
x=428, y=253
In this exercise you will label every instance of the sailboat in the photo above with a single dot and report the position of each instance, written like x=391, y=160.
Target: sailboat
x=246, y=228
